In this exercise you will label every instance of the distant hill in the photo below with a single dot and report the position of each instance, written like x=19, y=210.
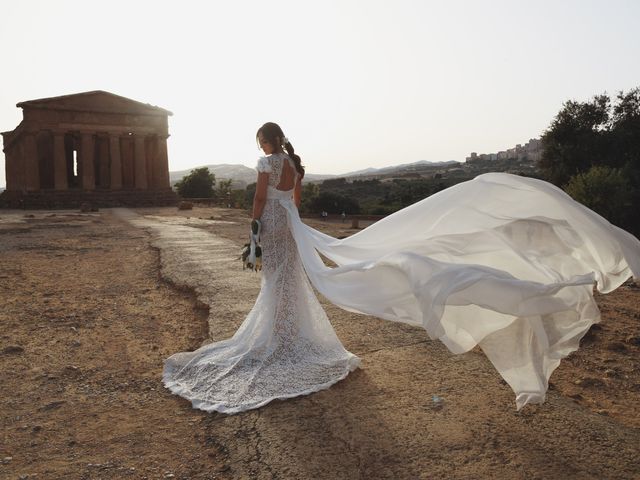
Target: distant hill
x=243, y=175
x=402, y=168
x=240, y=174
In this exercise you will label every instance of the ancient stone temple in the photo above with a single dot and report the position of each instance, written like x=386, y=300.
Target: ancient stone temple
x=93, y=147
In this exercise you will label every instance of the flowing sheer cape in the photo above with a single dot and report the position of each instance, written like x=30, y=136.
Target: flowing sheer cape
x=504, y=262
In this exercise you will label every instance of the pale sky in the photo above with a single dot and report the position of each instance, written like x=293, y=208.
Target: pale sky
x=354, y=84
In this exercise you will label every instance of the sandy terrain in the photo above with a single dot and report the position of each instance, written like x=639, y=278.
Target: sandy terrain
x=89, y=309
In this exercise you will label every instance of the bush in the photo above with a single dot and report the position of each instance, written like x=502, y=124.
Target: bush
x=198, y=184
x=604, y=190
x=334, y=203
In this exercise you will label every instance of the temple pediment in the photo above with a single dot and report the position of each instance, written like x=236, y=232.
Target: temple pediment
x=95, y=101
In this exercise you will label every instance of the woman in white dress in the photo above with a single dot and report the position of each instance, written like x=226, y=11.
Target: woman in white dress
x=504, y=262
x=286, y=346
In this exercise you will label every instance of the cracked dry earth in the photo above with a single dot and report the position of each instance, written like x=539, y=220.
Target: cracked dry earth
x=89, y=308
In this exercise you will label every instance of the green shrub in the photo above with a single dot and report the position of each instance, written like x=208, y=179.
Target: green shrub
x=198, y=184
x=604, y=190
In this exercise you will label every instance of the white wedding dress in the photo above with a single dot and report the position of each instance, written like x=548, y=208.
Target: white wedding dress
x=285, y=347
x=504, y=262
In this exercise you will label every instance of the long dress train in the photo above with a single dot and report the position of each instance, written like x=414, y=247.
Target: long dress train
x=504, y=262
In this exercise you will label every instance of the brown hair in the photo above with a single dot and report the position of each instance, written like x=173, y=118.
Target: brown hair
x=271, y=132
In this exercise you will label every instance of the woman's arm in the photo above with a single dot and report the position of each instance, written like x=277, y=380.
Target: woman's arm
x=260, y=197
x=297, y=192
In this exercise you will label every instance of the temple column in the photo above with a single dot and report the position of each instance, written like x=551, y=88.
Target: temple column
x=103, y=161
x=31, y=167
x=116, y=162
x=140, y=162
x=18, y=166
x=163, y=163
x=152, y=161
x=88, y=180
x=59, y=162
x=10, y=169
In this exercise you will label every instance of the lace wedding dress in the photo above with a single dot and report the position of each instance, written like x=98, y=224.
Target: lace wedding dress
x=504, y=262
x=285, y=347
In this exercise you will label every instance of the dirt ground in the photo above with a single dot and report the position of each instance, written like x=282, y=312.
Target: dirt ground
x=86, y=319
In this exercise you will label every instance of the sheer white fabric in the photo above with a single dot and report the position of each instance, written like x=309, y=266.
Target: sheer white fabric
x=284, y=348
x=504, y=262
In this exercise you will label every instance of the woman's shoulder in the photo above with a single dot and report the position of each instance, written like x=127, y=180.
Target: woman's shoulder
x=264, y=165
x=267, y=163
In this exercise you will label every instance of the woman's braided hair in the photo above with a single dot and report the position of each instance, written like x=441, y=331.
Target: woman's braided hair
x=271, y=133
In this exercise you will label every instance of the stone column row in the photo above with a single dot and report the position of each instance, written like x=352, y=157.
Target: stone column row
x=25, y=174
x=115, y=171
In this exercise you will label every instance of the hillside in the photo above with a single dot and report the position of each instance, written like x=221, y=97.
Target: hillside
x=384, y=192
x=240, y=174
x=243, y=175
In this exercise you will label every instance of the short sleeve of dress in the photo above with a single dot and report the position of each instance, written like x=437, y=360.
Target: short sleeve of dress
x=263, y=165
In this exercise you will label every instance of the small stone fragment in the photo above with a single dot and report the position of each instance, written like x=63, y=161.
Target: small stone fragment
x=617, y=347
x=437, y=402
x=53, y=405
x=590, y=382
x=633, y=340
x=12, y=349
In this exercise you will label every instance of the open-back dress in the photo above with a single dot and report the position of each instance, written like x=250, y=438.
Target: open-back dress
x=285, y=347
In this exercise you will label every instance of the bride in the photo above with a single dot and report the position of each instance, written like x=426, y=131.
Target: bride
x=504, y=262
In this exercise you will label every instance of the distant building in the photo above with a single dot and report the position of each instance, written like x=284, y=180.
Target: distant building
x=530, y=151
x=93, y=147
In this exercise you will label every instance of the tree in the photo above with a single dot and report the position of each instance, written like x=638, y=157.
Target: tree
x=310, y=192
x=334, y=203
x=198, y=184
x=575, y=141
x=598, y=133
x=625, y=131
x=223, y=192
x=250, y=192
x=604, y=190
x=238, y=199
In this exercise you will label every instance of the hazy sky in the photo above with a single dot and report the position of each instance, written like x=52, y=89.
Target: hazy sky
x=354, y=84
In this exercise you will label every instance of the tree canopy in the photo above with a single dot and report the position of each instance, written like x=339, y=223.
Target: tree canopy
x=198, y=184
x=592, y=149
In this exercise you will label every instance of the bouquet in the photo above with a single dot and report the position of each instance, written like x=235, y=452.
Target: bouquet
x=252, y=253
